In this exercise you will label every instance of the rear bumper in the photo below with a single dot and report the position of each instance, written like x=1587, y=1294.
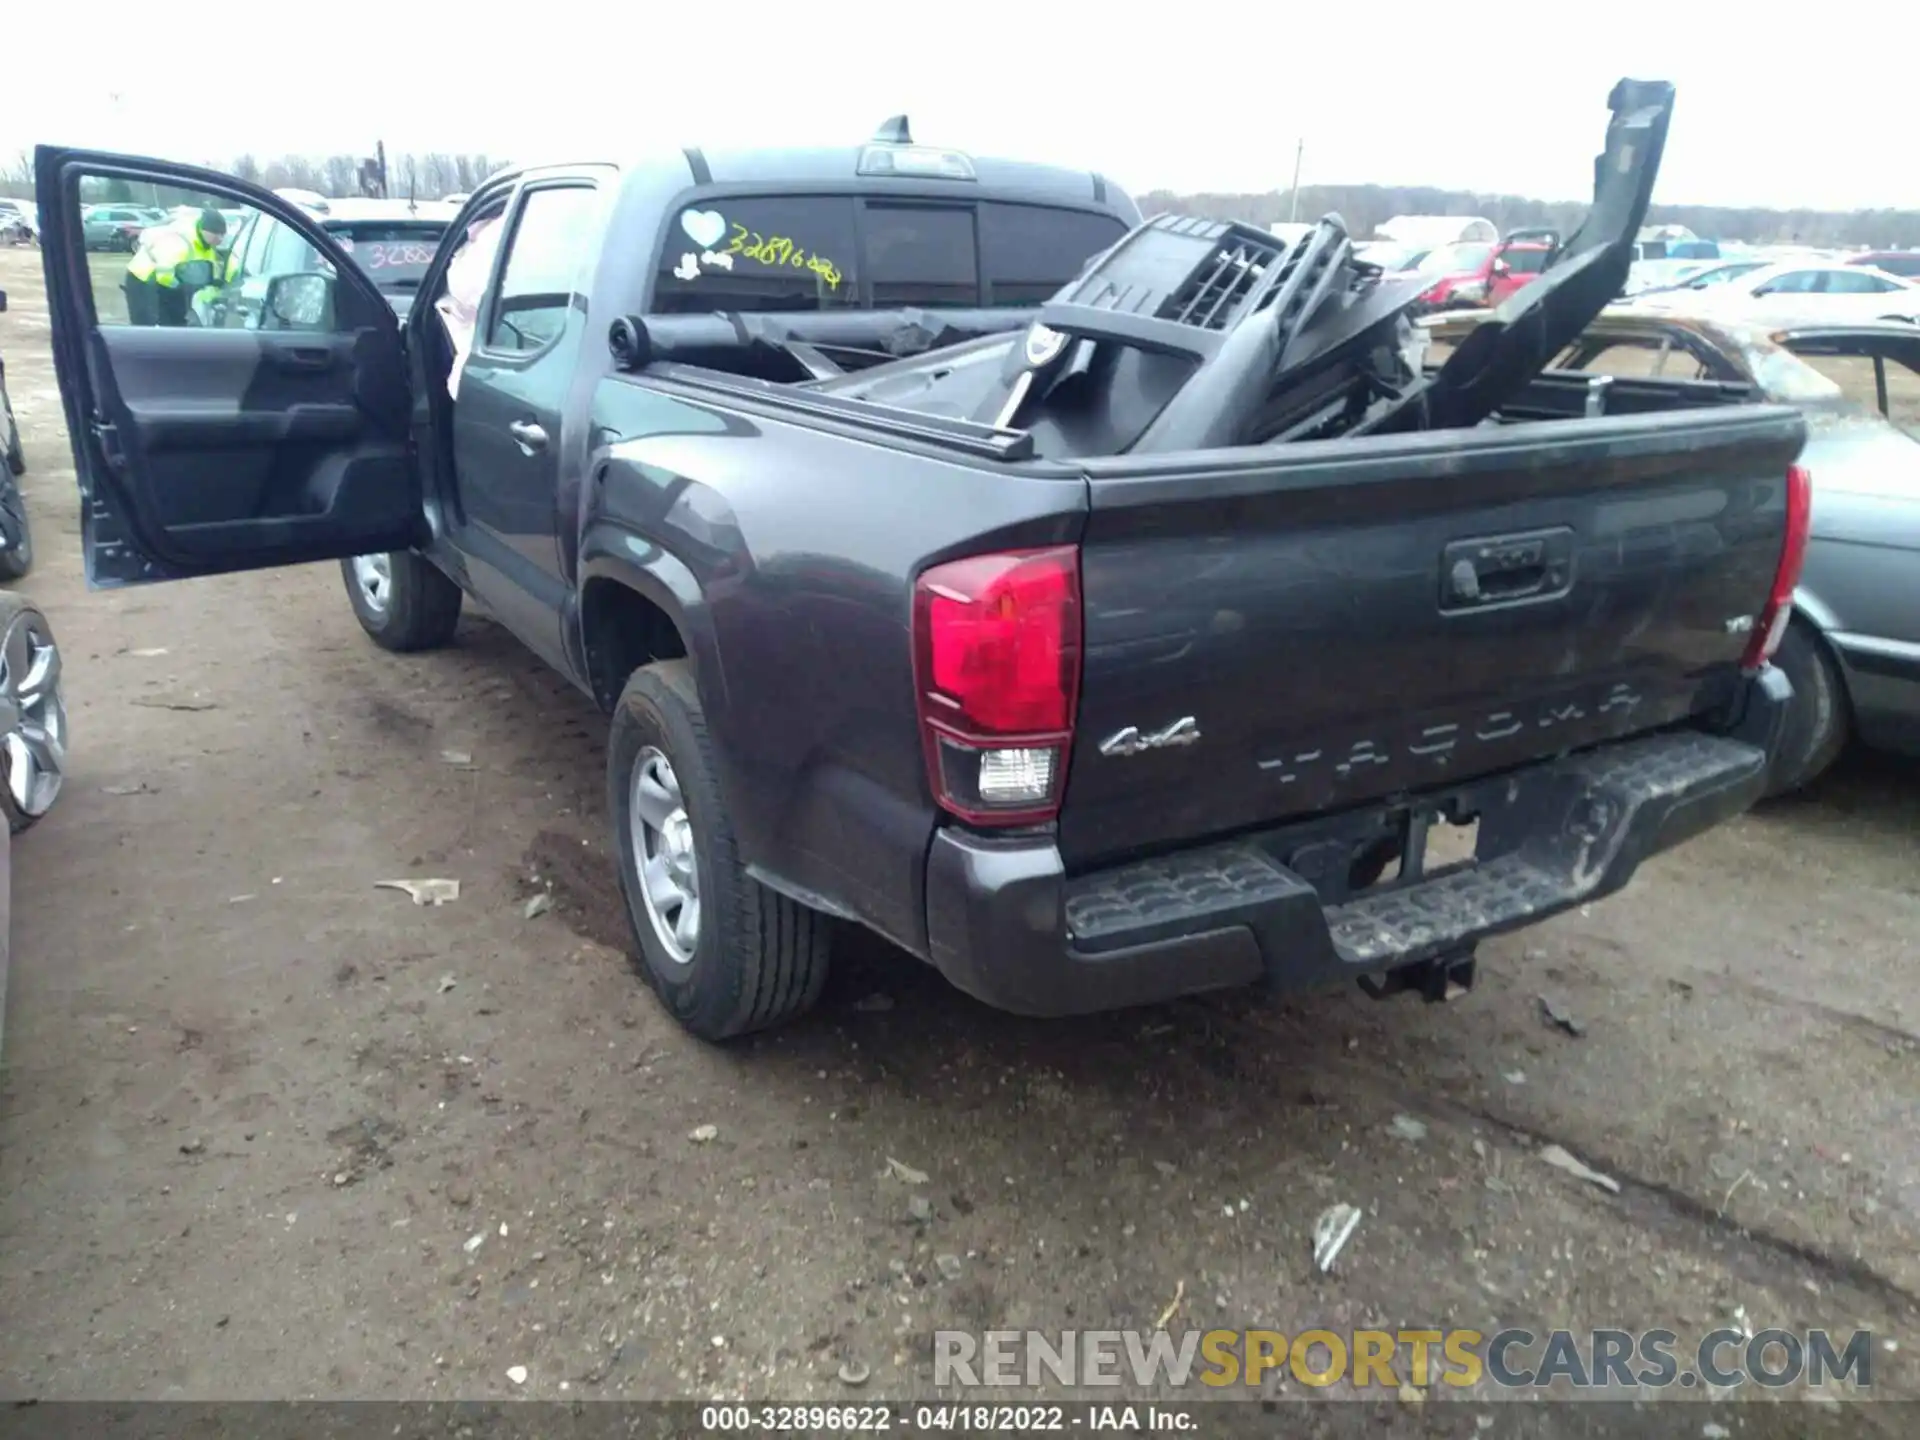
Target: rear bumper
x=1007, y=926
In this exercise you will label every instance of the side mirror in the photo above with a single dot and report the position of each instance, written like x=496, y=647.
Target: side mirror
x=1502, y=269
x=3, y=302
x=194, y=274
x=300, y=302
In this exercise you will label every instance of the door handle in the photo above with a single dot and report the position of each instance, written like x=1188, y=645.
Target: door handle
x=307, y=357
x=530, y=435
x=1501, y=569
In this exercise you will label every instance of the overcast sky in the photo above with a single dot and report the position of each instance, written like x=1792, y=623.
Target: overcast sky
x=1378, y=92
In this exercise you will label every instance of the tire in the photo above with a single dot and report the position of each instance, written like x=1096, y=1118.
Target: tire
x=402, y=600
x=33, y=714
x=755, y=958
x=1818, y=722
x=17, y=559
x=14, y=456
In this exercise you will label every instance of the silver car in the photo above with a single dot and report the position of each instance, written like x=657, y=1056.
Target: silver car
x=1852, y=649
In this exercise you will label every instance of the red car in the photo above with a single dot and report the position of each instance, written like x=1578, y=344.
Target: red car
x=1475, y=273
x=1905, y=263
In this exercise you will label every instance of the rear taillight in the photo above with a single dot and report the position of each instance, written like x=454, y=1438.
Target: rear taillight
x=997, y=678
x=1771, y=624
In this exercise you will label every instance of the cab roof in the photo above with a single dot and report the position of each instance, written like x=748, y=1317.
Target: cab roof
x=839, y=169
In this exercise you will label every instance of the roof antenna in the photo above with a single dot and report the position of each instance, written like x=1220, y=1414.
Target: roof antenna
x=893, y=131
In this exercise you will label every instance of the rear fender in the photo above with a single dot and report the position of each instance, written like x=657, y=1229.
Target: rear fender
x=1815, y=611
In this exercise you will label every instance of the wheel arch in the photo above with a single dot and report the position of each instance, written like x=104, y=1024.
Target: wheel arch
x=637, y=604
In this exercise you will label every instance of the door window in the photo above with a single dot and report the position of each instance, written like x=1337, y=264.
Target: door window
x=156, y=284
x=1857, y=282
x=1794, y=282
x=545, y=255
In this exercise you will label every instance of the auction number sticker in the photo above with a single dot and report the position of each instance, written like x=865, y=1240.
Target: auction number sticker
x=803, y=1418
x=977, y=1419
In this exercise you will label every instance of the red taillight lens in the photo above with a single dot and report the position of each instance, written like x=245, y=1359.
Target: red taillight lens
x=997, y=680
x=1771, y=624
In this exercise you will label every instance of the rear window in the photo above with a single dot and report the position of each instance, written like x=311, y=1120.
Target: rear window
x=817, y=252
x=787, y=252
x=922, y=255
x=395, y=253
x=1030, y=251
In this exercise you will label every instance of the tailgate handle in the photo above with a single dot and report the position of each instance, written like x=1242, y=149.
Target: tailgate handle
x=1503, y=569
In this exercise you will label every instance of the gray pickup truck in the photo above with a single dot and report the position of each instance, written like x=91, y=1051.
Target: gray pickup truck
x=1102, y=611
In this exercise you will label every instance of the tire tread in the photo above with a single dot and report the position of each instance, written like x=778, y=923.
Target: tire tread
x=777, y=948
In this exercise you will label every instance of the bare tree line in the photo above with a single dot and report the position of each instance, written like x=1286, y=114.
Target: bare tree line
x=429, y=176
x=1363, y=207
x=435, y=174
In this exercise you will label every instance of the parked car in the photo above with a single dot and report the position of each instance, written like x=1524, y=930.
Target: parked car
x=1709, y=274
x=1476, y=273
x=942, y=579
x=1904, y=263
x=118, y=227
x=19, y=224
x=1852, y=647
x=1797, y=291
x=16, y=536
x=393, y=241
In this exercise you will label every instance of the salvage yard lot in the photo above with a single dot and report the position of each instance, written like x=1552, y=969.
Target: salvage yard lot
x=267, y=1130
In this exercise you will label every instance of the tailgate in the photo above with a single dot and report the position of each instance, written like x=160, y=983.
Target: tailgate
x=1325, y=624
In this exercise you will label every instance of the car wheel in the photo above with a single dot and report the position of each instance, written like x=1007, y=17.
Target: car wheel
x=725, y=954
x=17, y=558
x=403, y=600
x=33, y=714
x=1817, y=721
x=15, y=456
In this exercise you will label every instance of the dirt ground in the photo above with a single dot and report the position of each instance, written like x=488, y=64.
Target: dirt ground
x=269, y=1131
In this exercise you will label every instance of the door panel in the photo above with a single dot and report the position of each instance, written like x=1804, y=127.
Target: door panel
x=507, y=432
x=204, y=443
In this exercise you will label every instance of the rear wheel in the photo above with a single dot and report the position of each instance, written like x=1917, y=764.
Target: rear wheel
x=1817, y=721
x=725, y=954
x=33, y=714
x=402, y=600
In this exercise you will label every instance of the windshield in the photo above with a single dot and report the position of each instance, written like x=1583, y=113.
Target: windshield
x=1390, y=255
x=395, y=253
x=1456, y=259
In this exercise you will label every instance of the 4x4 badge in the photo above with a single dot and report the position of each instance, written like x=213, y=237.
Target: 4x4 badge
x=1132, y=741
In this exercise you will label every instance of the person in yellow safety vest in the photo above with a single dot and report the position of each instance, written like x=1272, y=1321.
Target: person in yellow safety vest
x=152, y=285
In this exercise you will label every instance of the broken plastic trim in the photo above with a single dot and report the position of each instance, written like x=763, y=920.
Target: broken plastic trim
x=1505, y=351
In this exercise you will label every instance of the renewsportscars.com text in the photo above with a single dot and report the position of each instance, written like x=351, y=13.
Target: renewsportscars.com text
x=1508, y=1359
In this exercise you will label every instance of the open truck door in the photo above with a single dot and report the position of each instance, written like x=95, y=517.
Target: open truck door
x=205, y=441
